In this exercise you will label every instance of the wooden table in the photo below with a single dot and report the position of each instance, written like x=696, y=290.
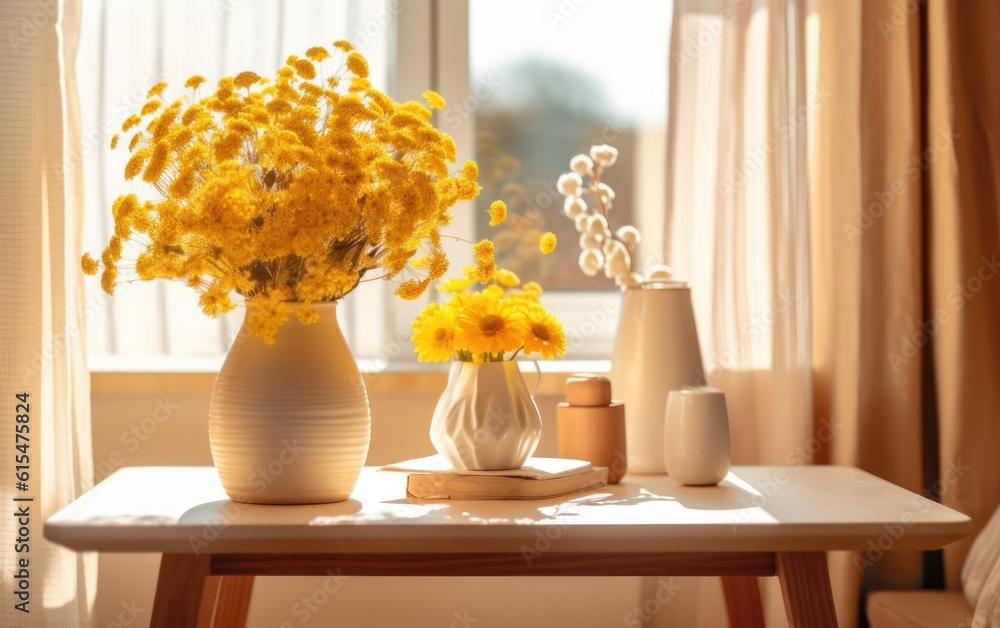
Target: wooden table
x=761, y=521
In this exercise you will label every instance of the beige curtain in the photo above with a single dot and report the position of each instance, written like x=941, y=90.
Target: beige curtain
x=42, y=326
x=904, y=215
x=842, y=158
x=963, y=247
x=737, y=172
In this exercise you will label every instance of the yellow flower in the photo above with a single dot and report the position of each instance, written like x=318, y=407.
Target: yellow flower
x=357, y=64
x=543, y=334
x=498, y=213
x=425, y=313
x=130, y=122
x=434, y=100
x=438, y=265
x=489, y=326
x=412, y=289
x=148, y=108
x=289, y=189
x=454, y=284
x=114, y=141
x=317, y=53
x=246, y=79
x=547, y=243
x=492, y=292
x=307, y=315
x=483, y=251
x=507, y=279
x=485, y=271
x=532, y=286
x=305, y=69
x=215, y=300
x=89, y=264
x=157, y=89
x=485, y=267
x=108, y=278
x=434, y=336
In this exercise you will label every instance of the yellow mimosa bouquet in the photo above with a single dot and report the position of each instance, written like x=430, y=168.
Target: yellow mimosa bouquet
x=496, y=323
x=286, y=189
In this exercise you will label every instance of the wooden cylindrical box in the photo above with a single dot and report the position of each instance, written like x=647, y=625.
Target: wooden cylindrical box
x=595, y=434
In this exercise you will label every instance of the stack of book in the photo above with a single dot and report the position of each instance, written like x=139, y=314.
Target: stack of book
x=433, y=478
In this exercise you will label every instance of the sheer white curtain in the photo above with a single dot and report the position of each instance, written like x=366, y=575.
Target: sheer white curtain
x=41, y=289
x=127, y=47
x=737, y=229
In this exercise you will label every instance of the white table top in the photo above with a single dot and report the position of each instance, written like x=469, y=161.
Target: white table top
x=755, y=509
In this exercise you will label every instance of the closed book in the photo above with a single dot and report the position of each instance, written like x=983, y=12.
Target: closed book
x=459, y=486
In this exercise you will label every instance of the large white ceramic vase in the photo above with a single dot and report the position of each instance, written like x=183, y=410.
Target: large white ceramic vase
x=486, y=419
x=656, y=351
x=289, y=423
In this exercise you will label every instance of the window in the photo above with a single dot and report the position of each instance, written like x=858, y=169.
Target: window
x=529, y=85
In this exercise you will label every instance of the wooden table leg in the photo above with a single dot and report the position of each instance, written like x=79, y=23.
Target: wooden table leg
x=188, y=595
x=805, y=587
x=743, y=601
x=180, y=590
x=232, y=602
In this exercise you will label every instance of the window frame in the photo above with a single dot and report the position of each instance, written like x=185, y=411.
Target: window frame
x=433, y=49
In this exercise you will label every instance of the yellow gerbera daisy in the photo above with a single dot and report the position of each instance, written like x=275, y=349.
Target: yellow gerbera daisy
x=489, y=326
x=543, y=334
x=434, y=336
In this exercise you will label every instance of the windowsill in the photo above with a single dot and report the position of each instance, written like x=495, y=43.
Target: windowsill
x=159, y=375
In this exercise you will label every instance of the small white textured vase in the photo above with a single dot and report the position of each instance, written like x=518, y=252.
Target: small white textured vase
x=656, y=351
x=486, y=419
x=289, y=423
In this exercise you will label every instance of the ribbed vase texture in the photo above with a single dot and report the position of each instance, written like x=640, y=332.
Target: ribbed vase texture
x=289, y=423
x=486, y=418
x=656, y=351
